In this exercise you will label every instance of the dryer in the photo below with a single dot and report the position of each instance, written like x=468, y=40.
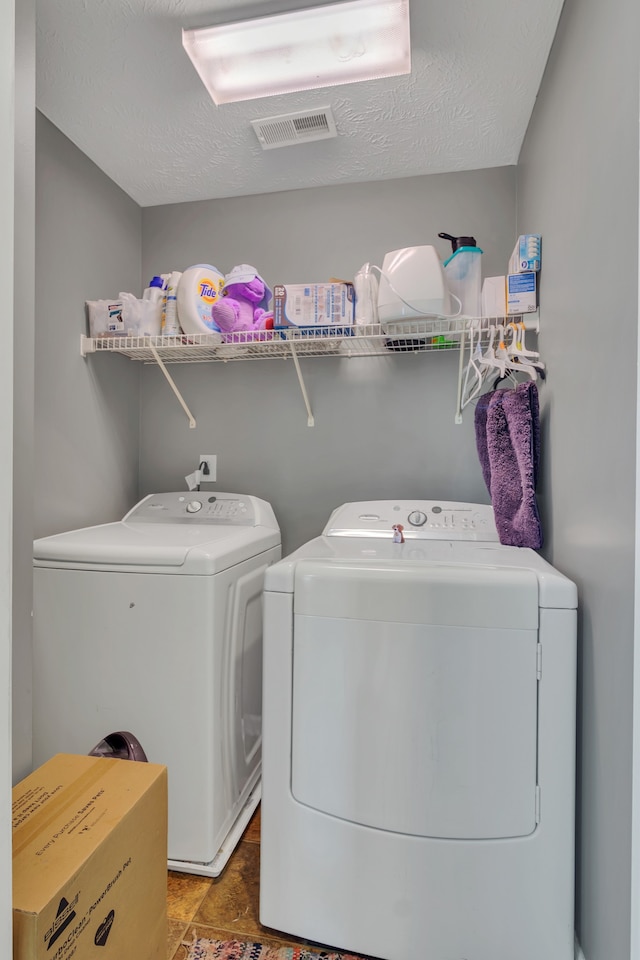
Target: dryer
x=419, y=739
x=154, y=625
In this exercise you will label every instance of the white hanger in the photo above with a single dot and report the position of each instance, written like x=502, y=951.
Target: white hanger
x=488, y=360
x=474, y=374
x=522, y=359
x=500, y=359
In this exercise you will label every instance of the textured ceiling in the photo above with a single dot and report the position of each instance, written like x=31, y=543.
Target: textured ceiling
x=113, y=76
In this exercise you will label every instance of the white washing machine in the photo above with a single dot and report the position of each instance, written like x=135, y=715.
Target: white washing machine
x=419, y=740
x=153, y=625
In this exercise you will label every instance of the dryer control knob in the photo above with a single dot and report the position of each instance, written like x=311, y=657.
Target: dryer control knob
x=193, y=506
x=417, y=518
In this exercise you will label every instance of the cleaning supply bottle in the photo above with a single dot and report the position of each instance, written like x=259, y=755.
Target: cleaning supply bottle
x=170, y=323
x=151, y=308
x=463, y=272
x=155, y=290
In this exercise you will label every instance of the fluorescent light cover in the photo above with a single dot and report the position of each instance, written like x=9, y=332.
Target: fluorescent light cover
x=302, y=50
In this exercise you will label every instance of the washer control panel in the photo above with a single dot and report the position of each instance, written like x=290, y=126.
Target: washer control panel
x=417, y=520
x=191, y=507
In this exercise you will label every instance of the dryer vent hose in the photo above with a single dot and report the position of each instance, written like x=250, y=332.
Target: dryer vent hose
x=121, y=745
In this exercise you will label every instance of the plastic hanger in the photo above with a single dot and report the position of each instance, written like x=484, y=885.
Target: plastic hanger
x=508, y=365
x=502, y=357
x=517, y=347
x=522, y=359
x=474, y=375
x=488, y=359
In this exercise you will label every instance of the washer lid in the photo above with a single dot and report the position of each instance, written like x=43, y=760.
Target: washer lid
x=190, y=533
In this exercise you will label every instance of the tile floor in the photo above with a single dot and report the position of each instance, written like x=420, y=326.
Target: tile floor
x=225, y=908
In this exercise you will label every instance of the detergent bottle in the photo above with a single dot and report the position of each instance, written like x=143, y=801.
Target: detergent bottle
x=155, y=290
x=463, y=273
x=200, y=287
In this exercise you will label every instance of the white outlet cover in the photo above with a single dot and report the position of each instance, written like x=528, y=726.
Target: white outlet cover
x=210, y=459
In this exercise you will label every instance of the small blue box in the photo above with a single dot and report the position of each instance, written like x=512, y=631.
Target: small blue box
x=521, y=293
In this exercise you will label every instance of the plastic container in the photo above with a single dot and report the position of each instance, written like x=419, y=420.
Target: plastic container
x=141, y=318
x=412, y=286
x=150, y=318
x=199, y=289
x=170, y=322
x=155, y=291
x=105, y=318
x=365, y=285
x=463, y=273
x=151, y=308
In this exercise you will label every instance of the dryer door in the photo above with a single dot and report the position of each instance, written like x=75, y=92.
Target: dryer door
x=415, y=697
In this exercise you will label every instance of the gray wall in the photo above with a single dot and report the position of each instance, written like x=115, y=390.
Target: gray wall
x=578, y=186
x=88, y=243
x=384, y=427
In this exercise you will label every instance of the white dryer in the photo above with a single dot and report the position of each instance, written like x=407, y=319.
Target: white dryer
x=153, y=625
x=419, y=740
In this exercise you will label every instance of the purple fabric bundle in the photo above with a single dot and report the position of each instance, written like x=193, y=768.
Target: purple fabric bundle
x=507, y=426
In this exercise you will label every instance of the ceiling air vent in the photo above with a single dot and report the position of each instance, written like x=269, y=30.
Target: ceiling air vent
x=290, y=128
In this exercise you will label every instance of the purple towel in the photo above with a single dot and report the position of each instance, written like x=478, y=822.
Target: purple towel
x=508, y=441
x=482, y=407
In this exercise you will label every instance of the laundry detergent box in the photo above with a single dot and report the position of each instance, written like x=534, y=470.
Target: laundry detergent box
x=313, y=305
x=90, y=860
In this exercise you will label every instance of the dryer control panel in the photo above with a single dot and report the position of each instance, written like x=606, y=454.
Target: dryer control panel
x=191, y=507
x=417, y=520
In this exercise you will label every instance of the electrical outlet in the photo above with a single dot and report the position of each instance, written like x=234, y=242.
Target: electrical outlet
x=210, y=460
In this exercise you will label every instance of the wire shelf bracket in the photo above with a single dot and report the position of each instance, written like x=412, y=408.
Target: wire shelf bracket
x=87, y=345
x=406, y=336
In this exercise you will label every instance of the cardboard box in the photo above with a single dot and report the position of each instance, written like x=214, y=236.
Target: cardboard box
x=527, y=254
x=494, y=302
x=313, y=305
x=522, y=295
x=90, y=861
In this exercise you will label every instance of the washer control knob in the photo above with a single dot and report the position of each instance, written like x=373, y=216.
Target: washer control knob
x=417, y=518
x=193, y=506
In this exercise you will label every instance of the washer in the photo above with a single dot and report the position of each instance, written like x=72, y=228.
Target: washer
x=419, y=739
x=154, y=625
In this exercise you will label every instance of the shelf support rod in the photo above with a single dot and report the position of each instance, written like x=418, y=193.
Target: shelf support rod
x=458, y=417
x=305, y=396
x=155, y=353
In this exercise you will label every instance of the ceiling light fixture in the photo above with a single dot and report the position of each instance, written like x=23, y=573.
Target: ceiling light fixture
x=302, y=50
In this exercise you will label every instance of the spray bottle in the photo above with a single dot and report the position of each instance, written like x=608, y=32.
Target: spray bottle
x=170, y=322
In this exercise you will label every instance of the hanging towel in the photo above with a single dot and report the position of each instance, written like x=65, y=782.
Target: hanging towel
x=508, y=441
x=482, y=408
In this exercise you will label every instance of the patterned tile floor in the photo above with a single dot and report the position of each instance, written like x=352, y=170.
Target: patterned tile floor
x=225, y=908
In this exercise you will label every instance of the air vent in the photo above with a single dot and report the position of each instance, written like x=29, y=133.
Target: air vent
x=290, y=128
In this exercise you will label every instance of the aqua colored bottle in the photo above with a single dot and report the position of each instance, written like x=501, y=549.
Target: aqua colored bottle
x=463, y=273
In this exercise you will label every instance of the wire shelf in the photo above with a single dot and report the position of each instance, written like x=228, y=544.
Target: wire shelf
x=415, y=336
